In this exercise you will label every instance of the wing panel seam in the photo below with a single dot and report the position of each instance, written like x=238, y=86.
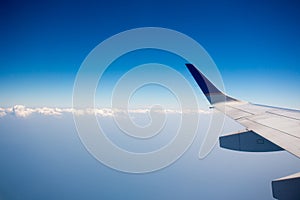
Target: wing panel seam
x=272, y=128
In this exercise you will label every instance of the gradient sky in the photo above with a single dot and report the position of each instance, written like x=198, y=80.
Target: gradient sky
x=255, y=44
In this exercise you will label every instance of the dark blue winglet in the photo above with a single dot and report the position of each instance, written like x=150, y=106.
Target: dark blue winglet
x=213, y=94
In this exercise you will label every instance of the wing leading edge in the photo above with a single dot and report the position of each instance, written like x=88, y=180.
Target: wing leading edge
x=266, y=129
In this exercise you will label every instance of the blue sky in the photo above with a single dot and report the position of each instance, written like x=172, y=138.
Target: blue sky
x=255, y=44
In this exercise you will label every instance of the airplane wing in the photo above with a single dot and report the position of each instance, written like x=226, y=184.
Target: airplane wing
x=266, y=129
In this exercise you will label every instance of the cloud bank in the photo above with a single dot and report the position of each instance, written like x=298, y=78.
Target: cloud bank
x=23, y=111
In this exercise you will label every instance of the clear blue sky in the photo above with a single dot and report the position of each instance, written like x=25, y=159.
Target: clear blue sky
x=255, y=44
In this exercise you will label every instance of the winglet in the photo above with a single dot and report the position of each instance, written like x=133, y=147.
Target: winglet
x=212, y=93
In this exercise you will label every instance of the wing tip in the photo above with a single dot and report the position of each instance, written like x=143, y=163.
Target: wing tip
x=212, y=93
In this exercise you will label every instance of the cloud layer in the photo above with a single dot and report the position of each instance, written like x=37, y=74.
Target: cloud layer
x=23, y=111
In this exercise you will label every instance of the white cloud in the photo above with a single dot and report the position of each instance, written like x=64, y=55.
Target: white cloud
x=23, y=111
x=2, y=112
x=49, y=111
